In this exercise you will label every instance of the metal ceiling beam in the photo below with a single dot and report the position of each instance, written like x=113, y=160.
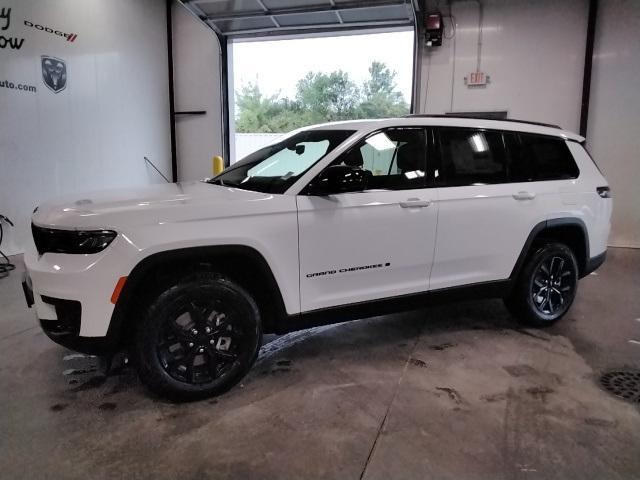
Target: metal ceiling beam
x=338, y=16
x=196, y=10
x=266, y=10
x=347, y=6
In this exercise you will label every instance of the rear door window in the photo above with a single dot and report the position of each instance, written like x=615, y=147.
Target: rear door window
x=470, y=157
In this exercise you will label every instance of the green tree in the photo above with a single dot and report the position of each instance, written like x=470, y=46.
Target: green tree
x=321, y=97
x=381, y=99
x=328, y=97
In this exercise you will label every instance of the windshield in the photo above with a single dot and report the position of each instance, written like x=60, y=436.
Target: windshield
x=274, y=168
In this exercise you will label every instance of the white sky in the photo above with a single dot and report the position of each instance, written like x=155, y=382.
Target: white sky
x=278, y=64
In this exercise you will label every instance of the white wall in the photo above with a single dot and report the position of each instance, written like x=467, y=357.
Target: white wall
x=113, y=111
x=613, y=135
x=196, y=76
x=532, y=50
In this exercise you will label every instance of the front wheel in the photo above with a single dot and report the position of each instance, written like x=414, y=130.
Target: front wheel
x=546, y=286
x=198, y=338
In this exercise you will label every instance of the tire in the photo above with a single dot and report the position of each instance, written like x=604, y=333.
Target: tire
x=198, y=338
x=545, y=287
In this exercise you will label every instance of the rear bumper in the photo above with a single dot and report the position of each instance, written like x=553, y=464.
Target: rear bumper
x=595, y=262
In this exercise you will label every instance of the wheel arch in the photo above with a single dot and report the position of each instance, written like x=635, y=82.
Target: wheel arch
x=568, y=230
x=240, y=263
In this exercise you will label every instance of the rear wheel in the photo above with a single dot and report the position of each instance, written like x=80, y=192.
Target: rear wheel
x=198, y=338
x=546, y=286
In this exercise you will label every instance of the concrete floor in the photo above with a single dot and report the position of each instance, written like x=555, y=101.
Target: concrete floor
x=453, y=392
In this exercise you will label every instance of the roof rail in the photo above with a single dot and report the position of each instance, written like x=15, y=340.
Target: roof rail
x=480, y=117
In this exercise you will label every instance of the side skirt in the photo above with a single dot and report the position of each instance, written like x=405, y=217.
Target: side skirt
x=385, y=306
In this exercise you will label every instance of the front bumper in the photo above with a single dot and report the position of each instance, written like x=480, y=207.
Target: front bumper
x=71, y=295
x=65, y=328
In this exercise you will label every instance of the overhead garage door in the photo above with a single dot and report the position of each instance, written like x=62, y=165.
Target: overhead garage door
x=266, y=17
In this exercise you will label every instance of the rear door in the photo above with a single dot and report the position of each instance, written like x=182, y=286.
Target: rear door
x=378, y=243
x=483, y=220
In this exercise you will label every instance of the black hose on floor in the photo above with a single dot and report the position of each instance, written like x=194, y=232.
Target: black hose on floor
x=5, y=265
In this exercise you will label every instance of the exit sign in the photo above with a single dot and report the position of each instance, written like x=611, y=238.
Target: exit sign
x=476, y=79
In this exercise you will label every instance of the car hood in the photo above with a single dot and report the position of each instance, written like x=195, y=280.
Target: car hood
x=175, y=202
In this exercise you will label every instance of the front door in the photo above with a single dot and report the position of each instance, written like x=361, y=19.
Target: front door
x=373, y=244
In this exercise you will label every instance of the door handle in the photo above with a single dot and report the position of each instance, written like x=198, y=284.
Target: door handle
x=524, y=196
x=415, y=203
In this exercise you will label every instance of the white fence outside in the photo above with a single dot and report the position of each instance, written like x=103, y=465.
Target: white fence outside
x=247, y=143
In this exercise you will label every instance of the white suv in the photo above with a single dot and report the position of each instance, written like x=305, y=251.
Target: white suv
x=331, y=222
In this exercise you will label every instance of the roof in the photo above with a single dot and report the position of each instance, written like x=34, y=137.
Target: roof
x=451, y=121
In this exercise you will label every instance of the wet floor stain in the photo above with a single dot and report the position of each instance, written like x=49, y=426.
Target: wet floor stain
x=520, y=370
x=538, y=336
x=495, y=397
x=281, y=366
x=442, y=346
x=93, y=382
x=452, y=393
x=540, y=392
x=58, y=407
x=417, y=362
x=600, y=422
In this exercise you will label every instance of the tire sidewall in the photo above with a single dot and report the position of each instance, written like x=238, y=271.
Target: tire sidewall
x=151, y=369
x=541, y=255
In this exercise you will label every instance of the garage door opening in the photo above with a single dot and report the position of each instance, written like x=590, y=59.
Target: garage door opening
x=276, y=86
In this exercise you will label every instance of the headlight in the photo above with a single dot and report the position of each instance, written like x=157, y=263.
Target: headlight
x=71, y=241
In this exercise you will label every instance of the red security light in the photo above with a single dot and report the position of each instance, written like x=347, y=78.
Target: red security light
x=433, y=27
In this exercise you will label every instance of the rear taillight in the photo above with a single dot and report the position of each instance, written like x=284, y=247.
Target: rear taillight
x=604, y=192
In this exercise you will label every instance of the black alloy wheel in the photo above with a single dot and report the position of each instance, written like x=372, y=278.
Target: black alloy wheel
x=546, y=286
x=201, y=343
x=553, y=285
x=198, y=337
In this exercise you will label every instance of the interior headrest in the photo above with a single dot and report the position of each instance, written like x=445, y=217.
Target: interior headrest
x=409, y=158
x=354, y=158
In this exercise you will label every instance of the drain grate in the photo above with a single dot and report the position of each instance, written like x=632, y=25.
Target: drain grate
x=622, y=383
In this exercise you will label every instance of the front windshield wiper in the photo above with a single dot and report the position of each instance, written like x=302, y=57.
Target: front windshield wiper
x=219, y=181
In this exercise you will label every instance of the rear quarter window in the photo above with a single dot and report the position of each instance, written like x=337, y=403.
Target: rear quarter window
x=539, y=158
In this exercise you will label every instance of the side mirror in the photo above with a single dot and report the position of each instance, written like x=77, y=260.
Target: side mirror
x=340, y=179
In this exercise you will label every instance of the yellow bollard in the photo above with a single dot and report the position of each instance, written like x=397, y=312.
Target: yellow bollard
x=218, y=165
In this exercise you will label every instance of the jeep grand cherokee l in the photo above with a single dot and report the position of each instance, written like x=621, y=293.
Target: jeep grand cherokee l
x=331, y=222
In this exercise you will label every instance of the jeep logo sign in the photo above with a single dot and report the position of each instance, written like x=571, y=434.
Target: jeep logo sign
x=54, y=73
